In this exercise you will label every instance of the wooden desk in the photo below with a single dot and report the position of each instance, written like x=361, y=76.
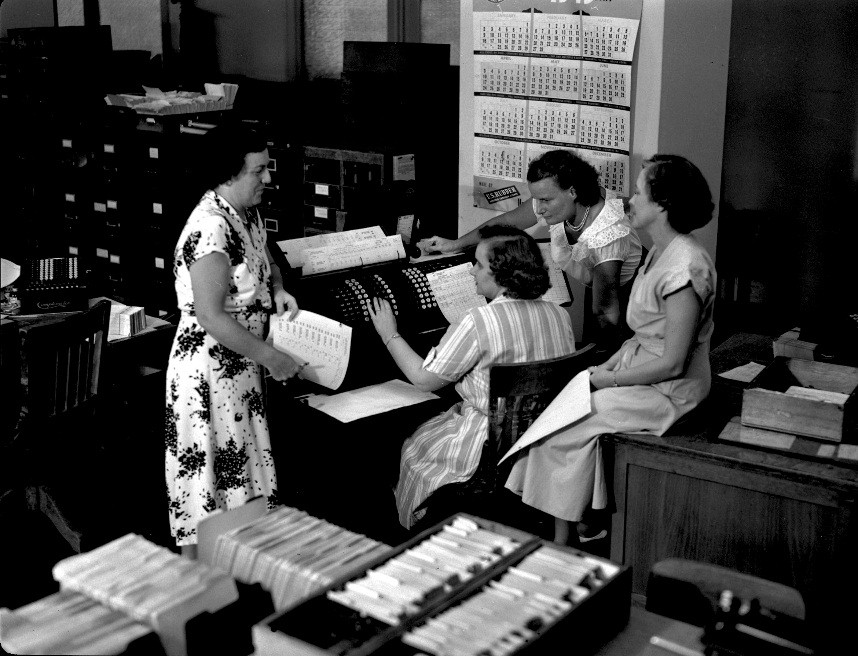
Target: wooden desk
x=774, y=515
x=633, y=640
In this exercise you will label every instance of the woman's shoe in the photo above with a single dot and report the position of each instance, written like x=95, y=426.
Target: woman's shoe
x=596, y=536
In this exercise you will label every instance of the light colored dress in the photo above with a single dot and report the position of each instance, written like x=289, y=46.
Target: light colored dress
x=563, y=474
x=610, y=237
x=218, y=451
x=447, y=448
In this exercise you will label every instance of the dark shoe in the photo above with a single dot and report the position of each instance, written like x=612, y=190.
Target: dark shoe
x=596, y=536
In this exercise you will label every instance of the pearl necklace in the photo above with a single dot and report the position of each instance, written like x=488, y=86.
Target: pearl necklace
x=577, y=228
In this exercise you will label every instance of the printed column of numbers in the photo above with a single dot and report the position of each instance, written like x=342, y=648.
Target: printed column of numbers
x=609, y=38
x=500, y=161
x=500, y=75
x=549, y=121
x=502, y=32
x=604, y=127
x=554, y=78
x=501, y=117
x=556, y=34
x=606, y=83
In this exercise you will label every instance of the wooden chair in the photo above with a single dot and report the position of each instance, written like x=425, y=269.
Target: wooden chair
x=518, y=393
x=57, y=441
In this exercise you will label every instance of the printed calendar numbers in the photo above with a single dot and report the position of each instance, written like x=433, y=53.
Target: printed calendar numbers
x=554, y=78
x=499, y=159
x=550, y=121
x=502, y=32
x=606, y=83
x=604, y=127
x=502, y=117
x=556, y=34
x=500, y=74
x=609, y=38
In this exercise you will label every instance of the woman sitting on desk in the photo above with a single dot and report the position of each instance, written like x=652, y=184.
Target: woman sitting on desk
x=591, y=237
x=655, y=377
x=516, y=326
x=218, y=448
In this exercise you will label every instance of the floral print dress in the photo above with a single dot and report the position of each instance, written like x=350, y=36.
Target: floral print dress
x=218, y=450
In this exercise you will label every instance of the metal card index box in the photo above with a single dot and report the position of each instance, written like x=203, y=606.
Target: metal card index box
x=804, y=397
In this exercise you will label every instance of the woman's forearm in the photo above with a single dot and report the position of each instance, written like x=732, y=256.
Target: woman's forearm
x=231, y=334
x=521, y=217
x=411, y=364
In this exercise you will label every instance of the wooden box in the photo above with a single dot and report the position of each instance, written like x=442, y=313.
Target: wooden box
x=804, y=397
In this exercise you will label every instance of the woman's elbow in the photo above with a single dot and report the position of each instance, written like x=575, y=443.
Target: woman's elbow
x=673, y=369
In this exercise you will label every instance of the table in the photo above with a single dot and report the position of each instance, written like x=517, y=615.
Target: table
x=774, y=515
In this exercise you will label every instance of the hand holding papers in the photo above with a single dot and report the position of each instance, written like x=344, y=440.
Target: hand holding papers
x=570, y=405
x=323, y=343
x=455, y=291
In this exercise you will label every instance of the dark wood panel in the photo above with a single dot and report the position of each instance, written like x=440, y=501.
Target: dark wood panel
x=778, y=538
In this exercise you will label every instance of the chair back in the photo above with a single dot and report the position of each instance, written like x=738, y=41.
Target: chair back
x=518, y=393
x=61, y=363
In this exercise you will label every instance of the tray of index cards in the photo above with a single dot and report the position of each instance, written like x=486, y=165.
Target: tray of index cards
x=464, y=586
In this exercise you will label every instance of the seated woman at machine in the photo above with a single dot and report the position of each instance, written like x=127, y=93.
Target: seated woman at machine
x=515, y=326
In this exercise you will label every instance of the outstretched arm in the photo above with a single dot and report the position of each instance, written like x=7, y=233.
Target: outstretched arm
x=409, y=362
x=521, y=217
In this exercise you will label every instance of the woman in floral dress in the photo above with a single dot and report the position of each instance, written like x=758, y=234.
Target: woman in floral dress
x=218, y=450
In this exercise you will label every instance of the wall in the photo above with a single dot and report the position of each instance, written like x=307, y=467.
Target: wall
x=790, y=152
x=253, y=38
x=25, y=13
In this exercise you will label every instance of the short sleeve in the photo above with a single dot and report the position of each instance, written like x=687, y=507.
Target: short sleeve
x=619, y=249
x=205, y=234
x=695, y=271
x=457, y=353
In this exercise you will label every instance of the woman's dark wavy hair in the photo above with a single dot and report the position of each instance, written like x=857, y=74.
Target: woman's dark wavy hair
x=516, y=261
x=226, y=147
x=568, y=171
x=679, y=187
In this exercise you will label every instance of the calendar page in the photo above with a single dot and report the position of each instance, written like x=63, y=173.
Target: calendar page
x=550, y=75
x=324, y=344
x=455, y=291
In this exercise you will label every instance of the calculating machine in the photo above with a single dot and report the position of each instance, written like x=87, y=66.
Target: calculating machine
x=342, y=296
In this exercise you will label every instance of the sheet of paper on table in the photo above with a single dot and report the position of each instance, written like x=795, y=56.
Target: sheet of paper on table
x=370, y=400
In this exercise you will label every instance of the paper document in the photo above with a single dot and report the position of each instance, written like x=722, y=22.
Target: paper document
x=744, y=373
x=370, y=400
x=455, y=290
x=125, y=321
x=353, y=254
x=559, y=292
x=570, y=405
x=323, y=343
x=294, y=248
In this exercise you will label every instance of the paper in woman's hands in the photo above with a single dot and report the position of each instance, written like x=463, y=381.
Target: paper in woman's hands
x=324, y=344
x=570, y=405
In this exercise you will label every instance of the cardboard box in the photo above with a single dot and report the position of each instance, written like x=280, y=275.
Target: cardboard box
x=804, y=397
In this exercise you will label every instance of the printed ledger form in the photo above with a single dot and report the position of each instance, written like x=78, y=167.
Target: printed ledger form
x=323, y=343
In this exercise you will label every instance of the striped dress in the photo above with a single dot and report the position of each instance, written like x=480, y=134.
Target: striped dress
x=447, y=448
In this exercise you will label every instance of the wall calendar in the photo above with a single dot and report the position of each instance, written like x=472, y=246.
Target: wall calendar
x=550, y=74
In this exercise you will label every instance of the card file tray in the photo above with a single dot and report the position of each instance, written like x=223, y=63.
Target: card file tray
x=320, y=625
